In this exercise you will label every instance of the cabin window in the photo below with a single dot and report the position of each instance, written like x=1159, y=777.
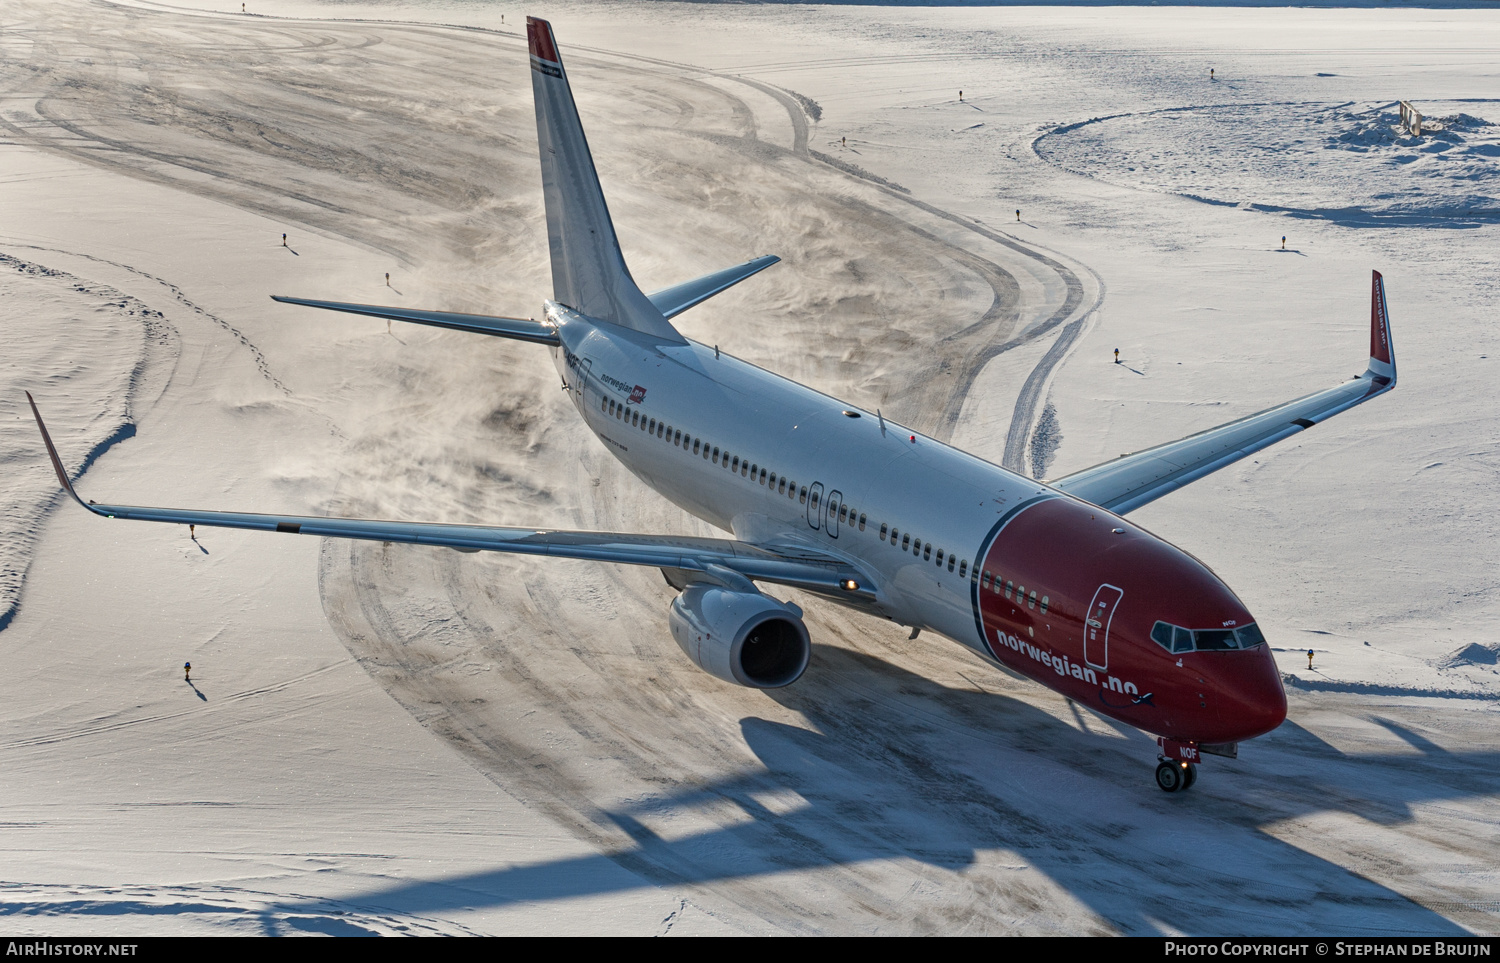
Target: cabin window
x=744, y=469
x=814, y=500
x=662, y=430
x=763, y=478
x=1045, y=599
x=843, y=512
x=861, y=521
x=1009, y=587
x=1031, y=600
x=905, y=542
x=716, y=454
x=773, y=480
x=603, y=404
x=883, y=530
x=802, y=496
x=677, y=438
x=696, y=442
x=986, y=580
x=652, y=427
x=735, y=466
x=940, y=558
x=927, y=553
x=963, y=568
x=781, y=487
x=950, y=563
x=635, y=418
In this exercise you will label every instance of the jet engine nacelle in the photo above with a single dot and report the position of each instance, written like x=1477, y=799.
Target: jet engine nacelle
x=742, y=637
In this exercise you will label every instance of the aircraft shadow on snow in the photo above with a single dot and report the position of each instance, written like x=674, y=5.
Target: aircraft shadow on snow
x=994, y=773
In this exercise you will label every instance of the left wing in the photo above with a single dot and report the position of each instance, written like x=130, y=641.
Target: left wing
x=1133, y=480
x=725, y=561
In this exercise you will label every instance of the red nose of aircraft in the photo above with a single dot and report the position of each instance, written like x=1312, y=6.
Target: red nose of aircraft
x=1154, y=637
x=1249, y=695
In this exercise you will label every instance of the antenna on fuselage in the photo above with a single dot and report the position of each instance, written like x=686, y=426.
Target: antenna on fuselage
x=882, y=420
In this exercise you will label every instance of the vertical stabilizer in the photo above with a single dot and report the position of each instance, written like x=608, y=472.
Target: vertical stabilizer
x=588, y=271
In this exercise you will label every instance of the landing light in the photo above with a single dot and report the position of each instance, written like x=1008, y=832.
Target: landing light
x=849, y=585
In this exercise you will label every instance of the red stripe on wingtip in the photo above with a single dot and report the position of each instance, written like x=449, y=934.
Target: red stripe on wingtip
x=539, y=38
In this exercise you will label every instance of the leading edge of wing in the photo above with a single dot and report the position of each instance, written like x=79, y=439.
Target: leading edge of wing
x=1137, y=479
x=795, y=567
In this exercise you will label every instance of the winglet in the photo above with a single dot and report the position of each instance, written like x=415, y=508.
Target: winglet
x=57, y=465
x=1382, y=354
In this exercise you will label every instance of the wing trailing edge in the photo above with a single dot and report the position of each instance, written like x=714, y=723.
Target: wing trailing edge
x=1137, y=479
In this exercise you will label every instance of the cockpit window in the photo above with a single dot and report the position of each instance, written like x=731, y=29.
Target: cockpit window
x=1214, y=639
x=1250, y=636
x=1175, y=639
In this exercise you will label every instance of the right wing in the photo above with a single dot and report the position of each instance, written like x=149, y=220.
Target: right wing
x=1133, y=480
x=725, y=561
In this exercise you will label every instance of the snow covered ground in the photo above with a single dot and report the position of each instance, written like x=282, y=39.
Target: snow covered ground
x=411, y=740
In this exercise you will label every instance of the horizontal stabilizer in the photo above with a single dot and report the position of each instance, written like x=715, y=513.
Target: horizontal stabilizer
x=675, y=300
x=1137, y=479
x=520, y=329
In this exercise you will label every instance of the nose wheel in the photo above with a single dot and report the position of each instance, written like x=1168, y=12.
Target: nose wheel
x=1173, y=776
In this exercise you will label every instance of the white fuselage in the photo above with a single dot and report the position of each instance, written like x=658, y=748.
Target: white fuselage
x=774, y=462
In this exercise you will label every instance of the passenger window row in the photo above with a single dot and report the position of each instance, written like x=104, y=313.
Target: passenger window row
x=734, y=463
x=1175, y=639
x=906, y=543
x=1016, y=593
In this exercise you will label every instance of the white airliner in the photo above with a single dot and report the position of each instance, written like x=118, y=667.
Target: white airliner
x=1046, y=579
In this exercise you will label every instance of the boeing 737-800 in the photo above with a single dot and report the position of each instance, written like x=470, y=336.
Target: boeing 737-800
x=1048, y=580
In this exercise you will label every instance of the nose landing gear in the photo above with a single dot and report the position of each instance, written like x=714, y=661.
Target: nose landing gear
x=1175, y=776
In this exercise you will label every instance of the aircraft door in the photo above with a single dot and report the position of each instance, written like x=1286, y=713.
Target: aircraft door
x=586, y=390
x=835, y=500
x=1096, y=621
x=815, y=504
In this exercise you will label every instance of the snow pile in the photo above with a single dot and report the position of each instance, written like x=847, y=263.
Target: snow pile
x=1349, y=163
x=1475, y=653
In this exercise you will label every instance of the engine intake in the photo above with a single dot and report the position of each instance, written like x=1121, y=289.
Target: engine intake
x=746, y=638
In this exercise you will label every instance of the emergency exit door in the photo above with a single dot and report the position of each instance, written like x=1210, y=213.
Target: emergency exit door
x=1096, y=625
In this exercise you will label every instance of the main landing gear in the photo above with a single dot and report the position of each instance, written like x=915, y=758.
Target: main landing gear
x=1175, y=776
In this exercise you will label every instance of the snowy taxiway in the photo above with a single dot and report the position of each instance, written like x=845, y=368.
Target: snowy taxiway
x=412, y=740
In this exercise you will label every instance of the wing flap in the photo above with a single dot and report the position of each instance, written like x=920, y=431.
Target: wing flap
x=1133, y=480
x=519, y=329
